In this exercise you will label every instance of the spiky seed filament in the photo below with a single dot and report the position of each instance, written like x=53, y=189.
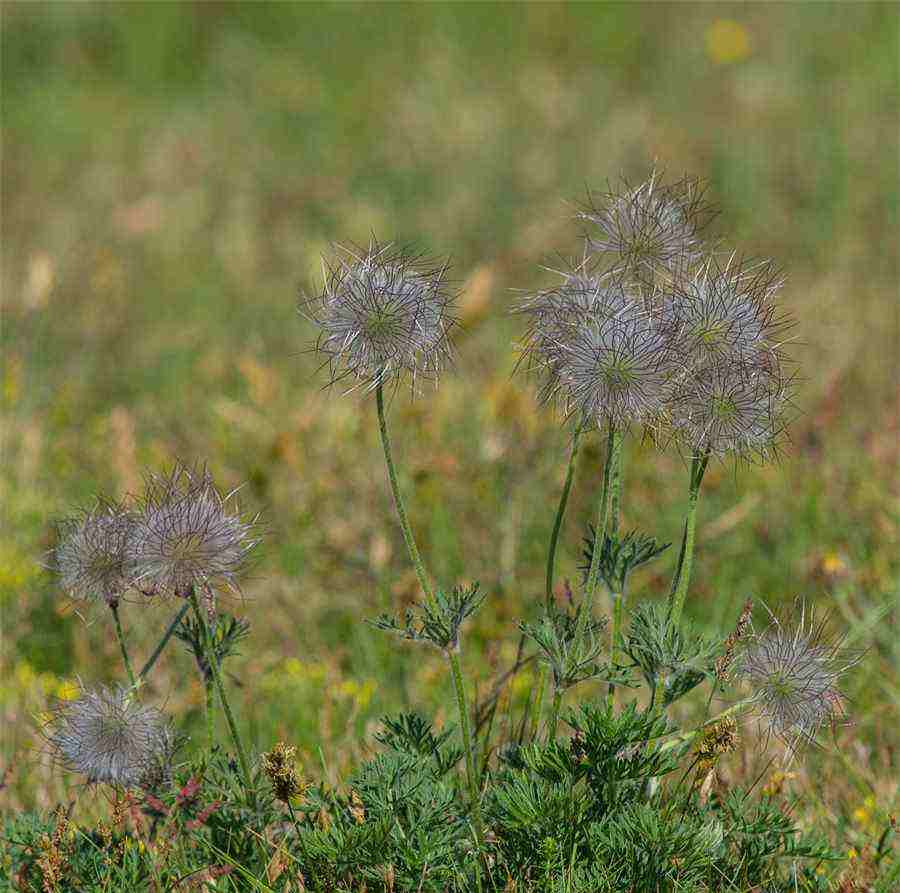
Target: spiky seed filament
x=108, y=736
x=383, y=312
x=794, y=666
x=91, y=558
x=188, y=534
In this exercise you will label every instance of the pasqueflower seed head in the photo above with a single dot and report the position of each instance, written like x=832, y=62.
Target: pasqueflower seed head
x=727, y=313
x=90, y=558
x=108, y=736
x=794, y=667
x=652, y=227
x=725, y=409
x=383, y=312
x=189, y=534
x=615, y=368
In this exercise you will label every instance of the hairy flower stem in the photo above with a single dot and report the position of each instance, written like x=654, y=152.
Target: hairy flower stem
x=452, y=656
x=114, y=607
x=210, y=712
x=617, y=611
x=398, y=500
x=686, y=558
x=613, y=449
x=176, y=620
x=539, y=702
x=554, y=714
x=560, y=514
x=223, y=697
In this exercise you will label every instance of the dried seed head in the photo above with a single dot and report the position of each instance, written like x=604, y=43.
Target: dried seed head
x=90, y=558
x=725, y=409
x=278, y=765
x=726, y=314
x=188, y=535
x=652, y=228
x=717, y=739
x=736, y=636
x=108, y=736
x=794, y=667
x=383, y=312
x=615, y=367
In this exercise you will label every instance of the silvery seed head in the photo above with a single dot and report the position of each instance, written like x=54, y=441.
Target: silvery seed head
x=383, y=312
x=189, y=534
x=726, y=409
x=726, y=313
x=108, y=736
x=615, y=367
x=90, y=557
x=652, y=227
x=794, y=668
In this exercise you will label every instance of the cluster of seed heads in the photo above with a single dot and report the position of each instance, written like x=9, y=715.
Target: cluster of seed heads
x=794, y=669
x=383, y=311
x=651, y=329
x=183, y=532
x=108, y=736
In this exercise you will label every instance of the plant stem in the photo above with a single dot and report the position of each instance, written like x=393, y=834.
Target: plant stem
x=539, y=703
x=560, y=514
x=615, y=487
x=613, y=447
x=210, y=712
x=676, y=600
x=164, y=640
x=453, y=657
x=617, y=611
x=554, y=714
x=223, y=697
x=114, y=607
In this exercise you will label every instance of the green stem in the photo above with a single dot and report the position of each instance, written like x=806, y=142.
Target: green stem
x=223, y=697
x=615, y=487
x=539, y=703
x=676, y=601
x=560, y=514
x=554, y=714
x=617, y=611
x=453, y=657
x=613, y=447
x=398, y=500
x=114, y=607
x=210, y=712
x=164, y=640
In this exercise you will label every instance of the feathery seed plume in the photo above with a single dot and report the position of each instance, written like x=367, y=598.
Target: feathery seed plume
x=383, y=311
x=108, y=736
x=188, y=535
x=91, y=558
x=794, y=666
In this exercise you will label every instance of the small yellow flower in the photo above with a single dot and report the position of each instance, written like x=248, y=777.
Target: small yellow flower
x=67, y=690
x=851, y=853
x=727, y=42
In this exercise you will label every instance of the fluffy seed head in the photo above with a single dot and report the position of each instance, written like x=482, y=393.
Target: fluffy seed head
x=108, y=736
x=794, y=667
x=90, y=557
x=189, y=535
x=726, y=313
x=725, y=409
x=383, y=312
x=615, y=367
x=652, y=228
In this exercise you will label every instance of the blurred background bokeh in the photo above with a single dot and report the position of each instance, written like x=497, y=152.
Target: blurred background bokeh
x=172, y=173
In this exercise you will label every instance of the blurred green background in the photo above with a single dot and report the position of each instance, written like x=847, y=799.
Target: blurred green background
x=172, y=173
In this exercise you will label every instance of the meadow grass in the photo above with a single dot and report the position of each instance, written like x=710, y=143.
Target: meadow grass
x=171, y=175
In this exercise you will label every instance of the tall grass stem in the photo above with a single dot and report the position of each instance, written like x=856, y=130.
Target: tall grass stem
x=114, y=607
